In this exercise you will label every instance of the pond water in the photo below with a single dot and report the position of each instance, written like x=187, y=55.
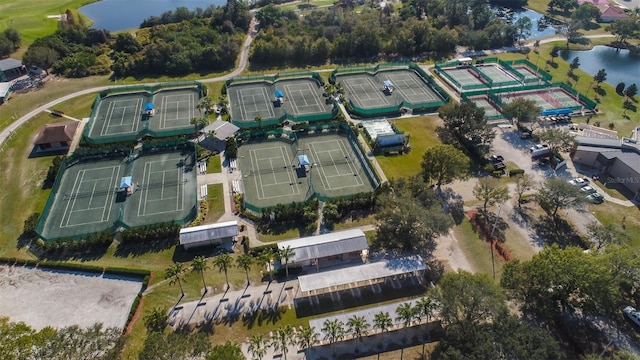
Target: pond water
x=542, y=25
x=116, y=15
x=621, y=65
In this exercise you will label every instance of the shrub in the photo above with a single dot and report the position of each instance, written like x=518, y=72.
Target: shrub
x=515, y=172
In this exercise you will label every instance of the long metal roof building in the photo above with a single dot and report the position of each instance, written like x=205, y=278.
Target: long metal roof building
x=325, y=245
x=208, y=234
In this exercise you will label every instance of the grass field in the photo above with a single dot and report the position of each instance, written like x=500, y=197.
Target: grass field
x=215, y=198
x=29, y=17
x=476, y=251
x=423, y=136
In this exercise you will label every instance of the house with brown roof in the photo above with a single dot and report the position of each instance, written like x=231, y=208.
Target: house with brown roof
x=56, y=137
x=608, y=12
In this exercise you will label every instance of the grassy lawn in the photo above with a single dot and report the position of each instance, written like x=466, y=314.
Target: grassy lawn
x=423, y=136
x=215, y=198
x=78, y=107
x=214, y=165
x=609, y=213
x=476, y=250
x=369, y=220
x=29, y=17
x=289, y=234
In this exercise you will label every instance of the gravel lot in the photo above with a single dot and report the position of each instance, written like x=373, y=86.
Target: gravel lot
x=41, y=297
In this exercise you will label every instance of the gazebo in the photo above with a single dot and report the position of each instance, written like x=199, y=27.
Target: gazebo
x=126, y=185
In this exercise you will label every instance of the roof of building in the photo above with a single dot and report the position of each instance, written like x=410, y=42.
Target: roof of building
x=368, y=314
x=598, y=142
x=377, y=128
x=202, y=233
x=331, y=244
x=608, y=11
x=10, y=63
x=56, y=133
x=223, y=129
x=4, y=88
x=356, y=274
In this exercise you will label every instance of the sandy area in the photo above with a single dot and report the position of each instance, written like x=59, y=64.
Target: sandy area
x=56, y=298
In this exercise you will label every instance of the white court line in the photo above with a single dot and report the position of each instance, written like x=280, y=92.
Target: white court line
x=265, y=97
x=107, y=118
x=146, y=179
x=256, y=177
x=107, y=200
x=288, y=161
x=73, y=191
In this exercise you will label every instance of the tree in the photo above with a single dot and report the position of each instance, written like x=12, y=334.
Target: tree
x=405, y=313
x=14, y=37
x=557, y=280
x=524, y=183
x=282, y=338
x=466, y=297
x=575, y=63
x=228, y=351
x=286, y=254
x=199, y=264
x=465, y=127
x=490, y=191
x=307, y=338
x=624, y=29
x=231, y=148
x=358, y=326
x=554, y=52
x=199, y=123
x=558, y=140
x=522, y=110
x=556, y=193
x=174, y=274
x=40, y=56
x=156, y=320
x=257, y=346
x=524, y=26
x=602, y=235
x=585, y=14
x=333, y=331
x=206, y=104
x=382, y=321
x=442, y=164
x=620, y=88
x=425, y=307
x=258, y=120
x=244, y=262
x=172, y=346
x=630, y=92
x=266, y=256
x=223, y=262
x=600, y=77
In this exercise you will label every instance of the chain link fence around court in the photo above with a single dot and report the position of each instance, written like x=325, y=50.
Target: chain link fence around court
x=144, y=91
x=416, y=106
x=310, y=132
x=117, y=156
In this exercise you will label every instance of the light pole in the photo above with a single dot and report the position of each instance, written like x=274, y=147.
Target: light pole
x=493, y=228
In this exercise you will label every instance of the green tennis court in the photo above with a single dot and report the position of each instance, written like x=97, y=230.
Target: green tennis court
x=490, y=110
x=250, y=100
x=465, y=76
x=272, y=173
x=497, y=74
x=548, y=99
x=91, y=195
x=365, y=91
x=526, y=72
x=303, y=97
x=409, y=86
x=174, y=109
x=118, y=115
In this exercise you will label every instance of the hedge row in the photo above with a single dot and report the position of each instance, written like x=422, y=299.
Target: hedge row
x=137, y=273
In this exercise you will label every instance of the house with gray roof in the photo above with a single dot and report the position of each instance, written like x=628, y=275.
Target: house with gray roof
x=210, y=234
x=348, y=245
x=11, y=69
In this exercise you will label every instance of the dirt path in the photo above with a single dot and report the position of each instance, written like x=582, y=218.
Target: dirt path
x=448, y=251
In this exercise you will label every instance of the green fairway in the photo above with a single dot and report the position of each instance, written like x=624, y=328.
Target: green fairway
x=29, y=17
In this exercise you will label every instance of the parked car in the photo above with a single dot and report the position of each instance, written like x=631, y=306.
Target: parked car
x=496, y=158
x=579, y=182
x=538, y=147
x=587, y=189
x=595, y=198
x=632, y=314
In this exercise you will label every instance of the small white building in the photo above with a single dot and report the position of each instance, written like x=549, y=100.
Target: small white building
x=210, y=234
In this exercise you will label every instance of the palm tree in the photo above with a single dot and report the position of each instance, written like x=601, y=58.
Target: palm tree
x=382, y=321
x=205, y=103
x=223, y=263
x=258, y=119
x=425, y=308
x=306, y=339
x=358, y=326
x=406, y=313
x=199, y=123
x=199, y=264
x=282, y=338
x=333, y=331
x=267, y=256
x=286, y=254
x=244, y=261
x=257, y=346
x=174, y=274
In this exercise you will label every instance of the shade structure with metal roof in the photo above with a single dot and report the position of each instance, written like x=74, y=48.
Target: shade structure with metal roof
x=361, y=275
x=325, y=245
x=209, y=234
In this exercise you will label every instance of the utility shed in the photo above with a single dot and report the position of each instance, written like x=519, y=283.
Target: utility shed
x=311, y=249
x=210, y=234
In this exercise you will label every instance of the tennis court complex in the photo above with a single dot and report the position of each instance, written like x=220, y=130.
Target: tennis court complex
x=118, y=115
x=497, y=74
x=91, y=196
x=365, y=91
x=252, y=100
x=491, y=111
x=174, y=109
x=464, y=76
x=409, y=86
x=303, y=97
x=548, y=99
x=272, y=173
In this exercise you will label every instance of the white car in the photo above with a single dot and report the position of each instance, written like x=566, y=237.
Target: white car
x=587, y=189
x=538, y=147
x=632, y=314
x=579, y=182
